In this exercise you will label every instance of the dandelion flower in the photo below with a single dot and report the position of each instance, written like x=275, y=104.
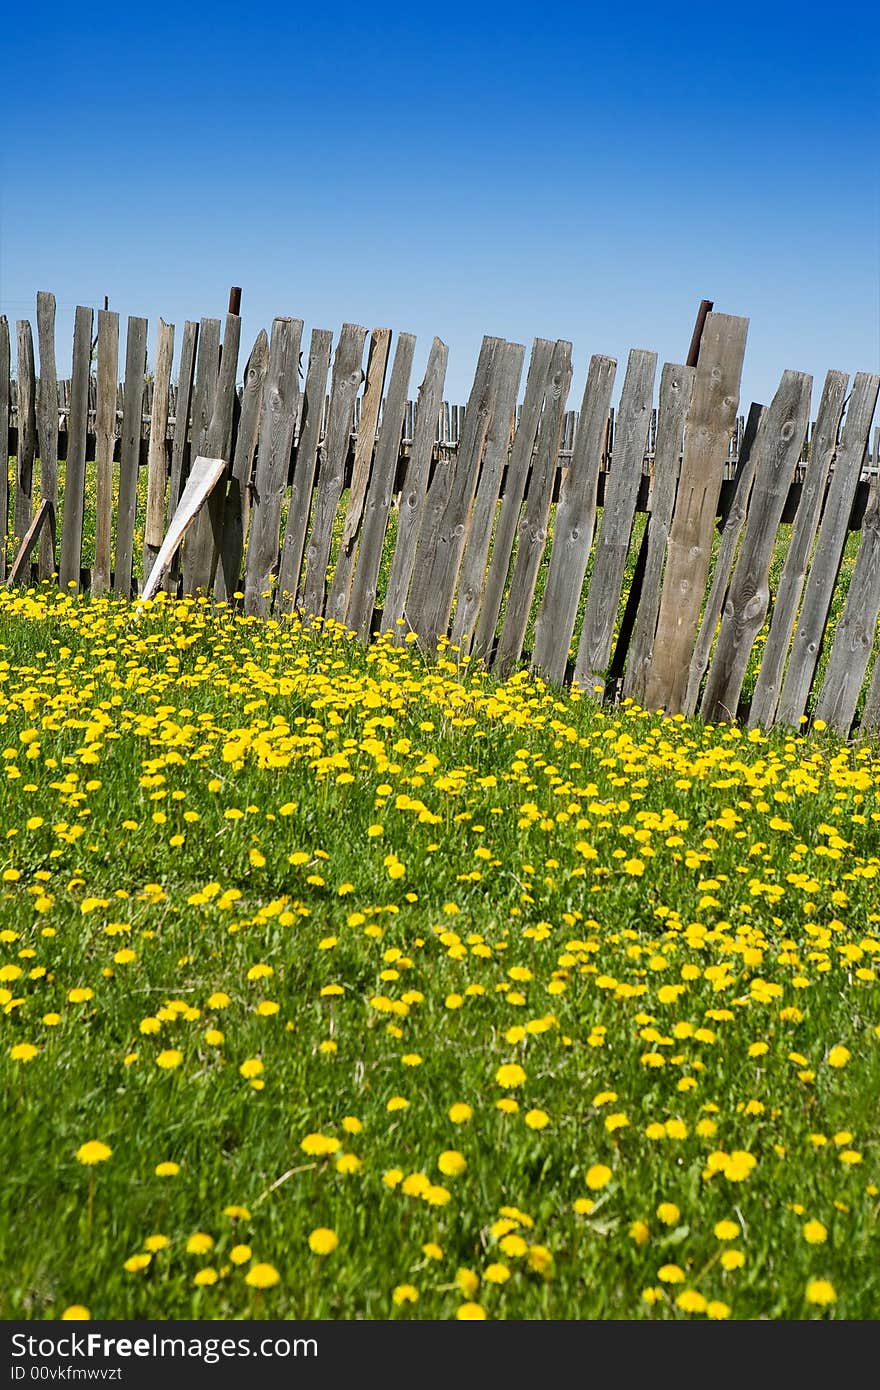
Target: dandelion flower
x=815, y=1233
x=598, y=1176
x=451, y=1163
x=510, y=1074
x=821, y=1292
x=470, y=1312
x=76, y=1312
x=323, y=1241
x=265, y=1276
x=460, y=1113
x=94, y=1151
x=405, y=1293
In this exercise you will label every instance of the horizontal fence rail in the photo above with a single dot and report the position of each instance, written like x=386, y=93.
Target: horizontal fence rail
x=339, y=488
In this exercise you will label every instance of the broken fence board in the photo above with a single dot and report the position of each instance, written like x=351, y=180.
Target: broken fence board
x=204, y=476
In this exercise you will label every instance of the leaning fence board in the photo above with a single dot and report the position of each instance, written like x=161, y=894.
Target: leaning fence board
x=472, y=576
x=21, y=562
x=532, y=537
x=828, y=551
x=514, y=490
x=204, y=475
x=105, y=443
x=823, y=444
x=618, y=513
x=75, y=471
x=129, y=452
x=280, y=407
x=4, y=441
x=347, y=377
x=854, y=635
x=339, y=593
x=676, y=391
x=574, y=525
x=377, y=504
x=203, y=545
x=778, y=449
x=734, y=521
x=47, y=425
x=237, y=500
x=443, y=537
x=27, y=430
x=415, y=486
x=181, y=415
x=157, y=462
x=708, y=430
x=305, y=462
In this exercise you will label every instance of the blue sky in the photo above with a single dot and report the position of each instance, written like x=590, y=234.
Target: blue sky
x=569, y=171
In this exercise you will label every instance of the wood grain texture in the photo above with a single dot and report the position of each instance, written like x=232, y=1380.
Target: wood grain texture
x=105, y=444
x=514, y=484
x=237, y=500
x=676, y=392
x=472, y=576
x=130, y=452
x=347, y=377
x=75, y=470
x=574, y=525
x=5, y=402
x=377, y=503
x=202, y=551
x=280, y=407
x=204, y=476
x=709, y=427
x=157, y=461
x=47, y=425
x=823, y=446
x=183, y=405
x=415, y=488
x=828, y=551
x=778, y=448
x=532, y=537
x=855, y=633
x=618, y=512
x=870, y=720
x=27, y=430
x=21, y=560
x=443, y=535
x=731, y=531
x=305, y=465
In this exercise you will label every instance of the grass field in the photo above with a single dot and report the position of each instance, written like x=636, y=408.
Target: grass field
x=339, y=984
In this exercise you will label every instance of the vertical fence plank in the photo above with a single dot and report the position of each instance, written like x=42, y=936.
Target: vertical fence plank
x=237, y=501
x=105, y=443
x=280, y=407
x=828, y=551
x=157, y=458
x=710, y=423
x=202, y=550
x=472, y=576
x=415, y=486
x=778, y=450
x=347, y=377
x=377, y=504
x=305, y=463
x=205, y=388
x=574, y=525
x=47, y=427
x=618, y=512
x=75, y=471
x=870, y=721
x=791, y=584
x=536, y=511
x=183, y=406
x=676, y=391
x=854, y=635
x=27, y=431
x=513, y=490
x=365, y=442
x=744, y=480
x=130, y=452
x=5, y=402
x=442, y=539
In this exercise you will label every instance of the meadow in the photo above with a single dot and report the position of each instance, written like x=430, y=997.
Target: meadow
x=339, y=983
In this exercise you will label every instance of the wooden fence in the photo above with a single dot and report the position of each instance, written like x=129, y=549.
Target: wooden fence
x=510, y=516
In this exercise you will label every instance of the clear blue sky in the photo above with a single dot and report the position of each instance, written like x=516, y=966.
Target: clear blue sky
x=568, y=171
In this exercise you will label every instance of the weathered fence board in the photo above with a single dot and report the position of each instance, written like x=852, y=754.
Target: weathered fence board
x=4, y=441
x=203, y=478
x=377, y=503
x=185, y=378
x=472, y=576
x=828, y=551
x=47, y=425
x=731, y=531
x=532, y=537
x=75, y=471
x=105, y=443
x=305, y=464
x=205, y=386
x=778, y=447
x=347, y=377
x=708, y=429
x=870, y=721
x=236, y=504
x=574, y=525
x=618, y=513
x=823, y=444
x=204, y=542
x=415, y=486
x=21, y=560
x=129, y=452
x=676, y=392
x=27, y=430
x=854, y=635
x=157, y=462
